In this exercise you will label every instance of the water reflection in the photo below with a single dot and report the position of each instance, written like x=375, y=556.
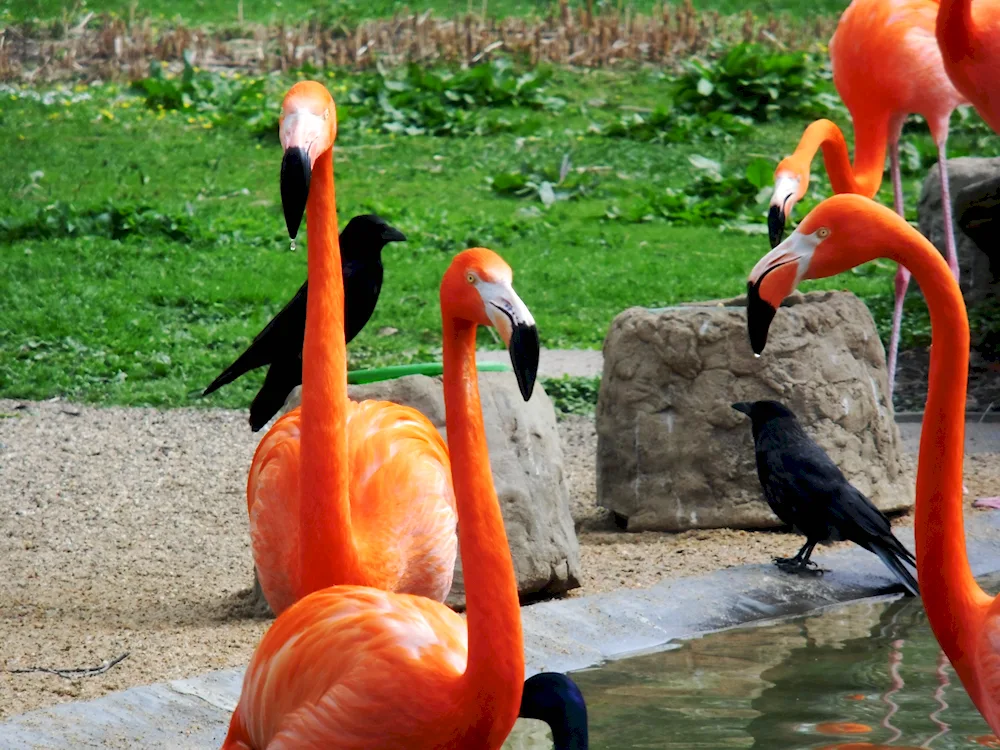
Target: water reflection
x=861, y=676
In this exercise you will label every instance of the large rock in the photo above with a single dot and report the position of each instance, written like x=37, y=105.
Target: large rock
x=671, y=452
x=527, y=462
x=967, y=176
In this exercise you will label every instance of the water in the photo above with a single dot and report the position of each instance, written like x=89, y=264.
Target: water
x=866, y=675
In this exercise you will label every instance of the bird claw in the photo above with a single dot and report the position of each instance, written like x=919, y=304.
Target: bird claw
x=793, y=565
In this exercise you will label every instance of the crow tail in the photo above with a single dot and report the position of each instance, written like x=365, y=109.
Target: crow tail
x=893, y=563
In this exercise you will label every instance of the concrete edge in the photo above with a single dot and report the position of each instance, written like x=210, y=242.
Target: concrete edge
x=560, y=635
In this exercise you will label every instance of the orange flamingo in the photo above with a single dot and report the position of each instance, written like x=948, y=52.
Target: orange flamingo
x=886, y=65
x=356, y=667
x=841, y=233
x=968, y=37
x=341, y=492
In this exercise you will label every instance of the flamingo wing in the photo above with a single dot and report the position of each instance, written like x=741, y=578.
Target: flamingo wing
x=353, y=667
x=402, y=503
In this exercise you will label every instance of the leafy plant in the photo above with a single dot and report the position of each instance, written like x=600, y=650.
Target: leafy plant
x=573, y=394
x=444, y=102
x=669, y=126
x=759, y=83
x=247, y=101
x=115, y=222
x=713, y=198
x=547, y=185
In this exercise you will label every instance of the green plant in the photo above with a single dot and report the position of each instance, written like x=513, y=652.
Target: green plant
x=546, y=184
x=111, y=221
x=669, y=126
x=462, y=102
x=573, y=394
x=759, y=83
x=712, y=198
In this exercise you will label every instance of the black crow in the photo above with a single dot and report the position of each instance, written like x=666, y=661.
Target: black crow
x=807, y=491
x=280, y=343
x=555, y=699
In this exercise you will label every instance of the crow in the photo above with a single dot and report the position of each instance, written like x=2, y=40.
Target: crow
x=279, y=344
x=555, y=699
x=807, y=491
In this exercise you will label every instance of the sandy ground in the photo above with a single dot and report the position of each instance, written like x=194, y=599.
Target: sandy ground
x=124, y=531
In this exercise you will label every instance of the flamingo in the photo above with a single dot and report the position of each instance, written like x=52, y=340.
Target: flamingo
x=279, y=344
x=356, y=667
x=340, y=492
x=886, y=65
x=968, y=38
x=846, y=231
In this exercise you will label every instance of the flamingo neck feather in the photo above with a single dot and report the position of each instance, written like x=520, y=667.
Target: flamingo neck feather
x=494, y=676
x=326, y=540
x=956, y=30
x=864, y=177
x=955, y=603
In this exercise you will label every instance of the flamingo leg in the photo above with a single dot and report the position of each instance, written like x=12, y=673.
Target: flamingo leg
x=951, y=250
x=902, y=280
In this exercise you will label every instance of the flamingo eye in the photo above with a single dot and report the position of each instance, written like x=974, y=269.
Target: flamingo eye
x=822, y=233
x=471, y=278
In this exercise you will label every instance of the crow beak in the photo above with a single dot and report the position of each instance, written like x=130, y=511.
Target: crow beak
x=516, y=326
x=391, y=234
x=296, y=171
x=743, y=406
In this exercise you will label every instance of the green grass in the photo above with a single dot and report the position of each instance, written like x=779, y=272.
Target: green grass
x=225, y=11
x=144, y=248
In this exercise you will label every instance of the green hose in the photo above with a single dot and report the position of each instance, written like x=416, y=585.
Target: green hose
x=374, y=375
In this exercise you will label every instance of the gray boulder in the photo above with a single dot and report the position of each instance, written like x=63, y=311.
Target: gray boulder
x=972, y=181
x=527, y=462
x=671, y=452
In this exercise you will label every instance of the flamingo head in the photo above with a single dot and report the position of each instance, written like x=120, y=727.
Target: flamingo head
x=789, y=188
x=836, y=235
x=307, y=129
x=477, y=288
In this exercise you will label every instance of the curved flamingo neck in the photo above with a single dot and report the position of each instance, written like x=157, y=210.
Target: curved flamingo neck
x=326, y=542
x=954, y=602
x=864, y=177
x=494, y=676
x=955, y=29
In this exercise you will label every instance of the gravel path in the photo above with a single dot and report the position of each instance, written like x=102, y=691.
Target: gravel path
x=124, y=530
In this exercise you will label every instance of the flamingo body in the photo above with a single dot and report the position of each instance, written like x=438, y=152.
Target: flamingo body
x=969, y=37
x=339, y=654
x=402, y=504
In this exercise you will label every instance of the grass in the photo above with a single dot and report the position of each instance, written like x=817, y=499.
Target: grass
x=144, y=246
x=227, y=11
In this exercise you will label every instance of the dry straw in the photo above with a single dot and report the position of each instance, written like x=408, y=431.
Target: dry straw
x=108, y=47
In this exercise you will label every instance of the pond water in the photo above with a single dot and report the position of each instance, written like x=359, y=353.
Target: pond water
x=865, y=675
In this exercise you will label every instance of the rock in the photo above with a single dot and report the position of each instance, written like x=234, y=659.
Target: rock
x=967, y=176
x=671, y=452
x=527, y=462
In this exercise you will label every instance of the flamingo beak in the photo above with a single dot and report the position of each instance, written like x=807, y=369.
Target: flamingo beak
x=773, y=278
x=300, y=134
x=516, y=326
x=782, y=202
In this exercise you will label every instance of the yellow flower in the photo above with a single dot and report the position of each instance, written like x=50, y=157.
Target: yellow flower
x=21, y=138
x=190, y=121
x=207, y=125
x=108, y=114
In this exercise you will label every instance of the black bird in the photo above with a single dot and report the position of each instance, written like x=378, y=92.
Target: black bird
x=555, y=699
x=807, y=491
x=280, y=343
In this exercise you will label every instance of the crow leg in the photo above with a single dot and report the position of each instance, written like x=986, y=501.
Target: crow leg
x=801, y=562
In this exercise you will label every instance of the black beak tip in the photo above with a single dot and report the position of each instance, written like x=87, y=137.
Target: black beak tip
x=296, y=172
x=759, y=317
x=392, y=234
x=775, y=226
x=524, y=351
x=742, y=406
